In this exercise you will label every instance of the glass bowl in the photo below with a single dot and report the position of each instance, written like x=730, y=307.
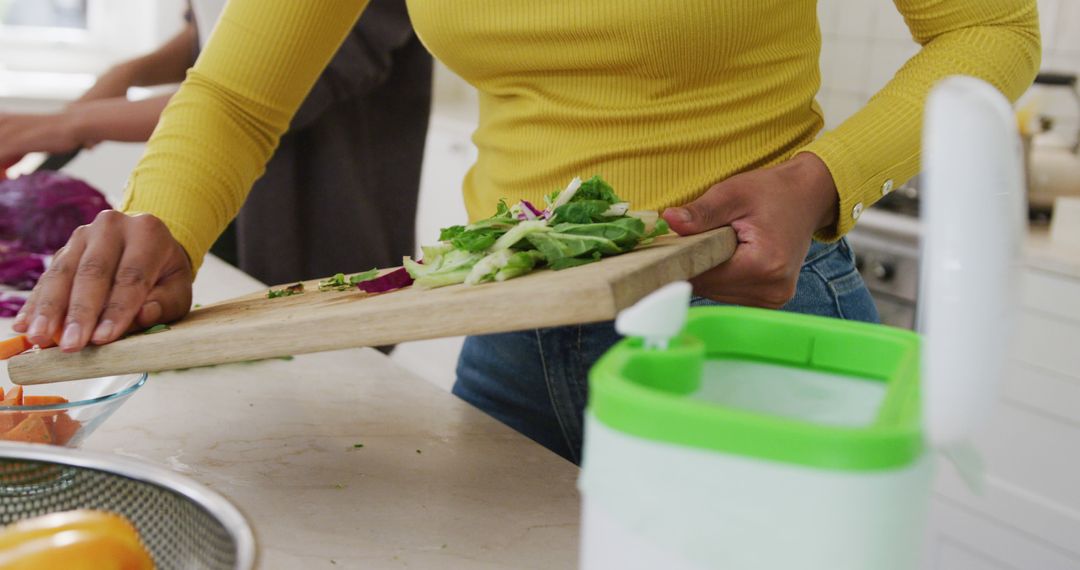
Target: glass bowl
x=85, y=405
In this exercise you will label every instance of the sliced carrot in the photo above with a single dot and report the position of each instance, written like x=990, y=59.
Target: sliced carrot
x=33, y=430
x=47, y=426
x=19, y=344
x=14, y=397
x=1, y=394
x=43, y=400
x=15, y=345
x=64, y=428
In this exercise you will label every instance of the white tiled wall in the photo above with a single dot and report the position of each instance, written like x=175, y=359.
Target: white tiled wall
x=866, y=41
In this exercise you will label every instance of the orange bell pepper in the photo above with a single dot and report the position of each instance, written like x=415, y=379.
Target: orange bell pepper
x=73, y=540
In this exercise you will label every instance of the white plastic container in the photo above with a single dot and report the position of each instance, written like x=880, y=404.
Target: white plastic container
x=766, y=440
x=754, y=442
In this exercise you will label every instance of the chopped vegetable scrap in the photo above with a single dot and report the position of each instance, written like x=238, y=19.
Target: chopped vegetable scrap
x=395, y=279
x=581, y=224
x=13, y=346
x=156, y=329
x=335, y=283
x=340, y=282
x=294, y=289
x=34, y=426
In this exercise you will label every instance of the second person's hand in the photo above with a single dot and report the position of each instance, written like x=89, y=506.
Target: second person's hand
x=22, y=134
x=774, y=212
x=117, y=273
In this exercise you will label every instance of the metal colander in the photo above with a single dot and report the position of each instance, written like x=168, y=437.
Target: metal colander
x=183, y=524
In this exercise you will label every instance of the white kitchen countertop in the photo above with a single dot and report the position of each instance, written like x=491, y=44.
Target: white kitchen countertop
x=1040, y=252
x=437, y=484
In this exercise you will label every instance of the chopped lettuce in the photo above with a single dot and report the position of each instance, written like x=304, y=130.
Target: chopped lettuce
x=287, y=291
x=448, y=268
x=596, y=188
x=519, y=263
x=581, y=224
x=659, y=229
x=476, y=240
x=519, y=232
x=582, y=212
x=341, y=283
x=648, y=217
x=486, y=268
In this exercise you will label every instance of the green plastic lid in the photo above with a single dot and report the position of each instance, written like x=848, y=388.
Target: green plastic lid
x=651, y=393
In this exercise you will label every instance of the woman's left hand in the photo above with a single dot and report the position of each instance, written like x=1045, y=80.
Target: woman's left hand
x=22, y=134
x=774, y=212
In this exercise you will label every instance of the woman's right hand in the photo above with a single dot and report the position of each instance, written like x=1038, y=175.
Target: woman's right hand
x=118, y=273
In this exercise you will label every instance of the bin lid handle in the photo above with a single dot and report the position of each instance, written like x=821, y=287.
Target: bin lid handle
x=658, y=316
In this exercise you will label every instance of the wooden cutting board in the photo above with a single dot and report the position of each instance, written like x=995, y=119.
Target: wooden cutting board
x=253, y=327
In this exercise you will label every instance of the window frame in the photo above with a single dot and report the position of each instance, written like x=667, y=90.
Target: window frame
x=115, y=30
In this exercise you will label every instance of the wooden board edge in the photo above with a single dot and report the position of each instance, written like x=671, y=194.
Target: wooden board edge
x=711, y=251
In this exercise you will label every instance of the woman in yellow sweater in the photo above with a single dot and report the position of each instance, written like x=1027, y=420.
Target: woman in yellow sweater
x=703, y=108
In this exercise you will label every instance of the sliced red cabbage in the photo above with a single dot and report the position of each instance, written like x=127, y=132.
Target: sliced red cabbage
x=21, y=269
x=396, y=279
x=10, y=305
x=526, y=206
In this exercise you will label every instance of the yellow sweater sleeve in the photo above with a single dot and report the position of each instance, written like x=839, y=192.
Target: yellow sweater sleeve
x=221, y=127
x=877, y=147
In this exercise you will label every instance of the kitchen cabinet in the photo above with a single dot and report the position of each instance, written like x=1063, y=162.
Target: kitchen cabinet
x=1028, y=515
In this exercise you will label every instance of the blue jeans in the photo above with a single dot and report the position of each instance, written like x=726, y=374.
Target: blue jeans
x=536, y=381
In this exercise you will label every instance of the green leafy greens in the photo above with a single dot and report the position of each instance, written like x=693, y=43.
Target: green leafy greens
x=288, y=291
x=581, y=224
x=340, y=282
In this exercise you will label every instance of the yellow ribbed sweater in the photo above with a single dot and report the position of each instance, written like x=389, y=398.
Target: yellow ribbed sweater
x=662, y=98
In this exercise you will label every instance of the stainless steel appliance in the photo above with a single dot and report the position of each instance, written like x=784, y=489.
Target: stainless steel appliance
x=886, y=246
x=1053, y=156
